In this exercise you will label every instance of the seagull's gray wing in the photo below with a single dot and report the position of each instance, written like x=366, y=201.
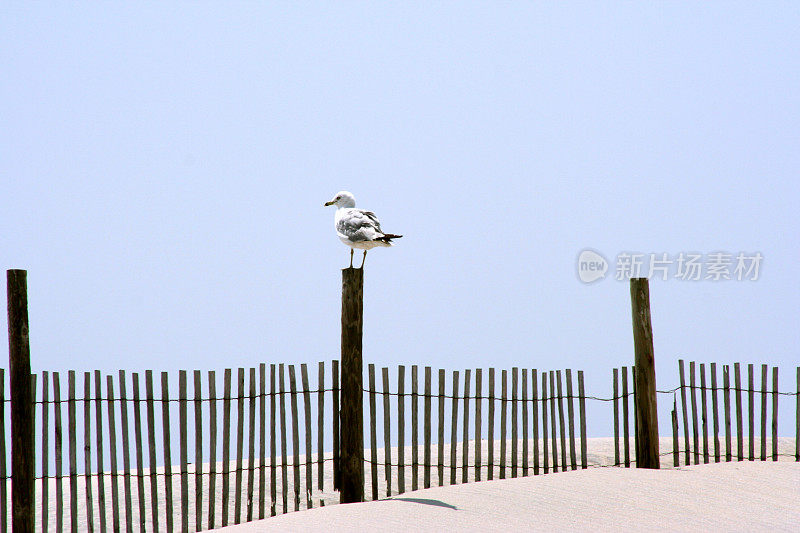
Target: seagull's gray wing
x=359, y=225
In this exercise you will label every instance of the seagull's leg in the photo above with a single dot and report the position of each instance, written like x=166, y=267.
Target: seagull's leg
x=364, y=259
x=351, y=258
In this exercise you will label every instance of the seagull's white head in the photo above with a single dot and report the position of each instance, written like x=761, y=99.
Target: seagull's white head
x=343, y=199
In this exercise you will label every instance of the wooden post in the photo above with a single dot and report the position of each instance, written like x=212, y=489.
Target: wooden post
x=19, y=358
x=645, y=376
x=352, y=421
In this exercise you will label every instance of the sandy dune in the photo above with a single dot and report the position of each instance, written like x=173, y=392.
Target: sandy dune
x=566, y=497
x=747, y=496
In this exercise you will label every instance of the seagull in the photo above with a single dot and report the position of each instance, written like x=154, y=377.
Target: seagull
x=358, y=228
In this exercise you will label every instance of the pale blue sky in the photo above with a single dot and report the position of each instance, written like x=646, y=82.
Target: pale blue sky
x=164, y=166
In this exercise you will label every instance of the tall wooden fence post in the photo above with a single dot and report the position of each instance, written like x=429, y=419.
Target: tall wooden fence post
x=645, y=376
x=19, y=358
x=352, y=419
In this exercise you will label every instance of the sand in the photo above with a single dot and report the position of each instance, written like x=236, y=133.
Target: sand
x=745, y=495
x=748, y=496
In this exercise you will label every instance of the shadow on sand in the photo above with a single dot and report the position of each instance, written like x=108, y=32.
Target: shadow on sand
x=426, y=501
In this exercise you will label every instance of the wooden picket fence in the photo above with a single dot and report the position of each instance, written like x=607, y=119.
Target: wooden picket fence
x=693, y=447
x=128, y=480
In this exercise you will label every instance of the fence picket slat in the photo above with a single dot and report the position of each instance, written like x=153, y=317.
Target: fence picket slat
x=739, y=425
x=387, y=429
x=582, y=406
x=715, y=411
x=137, y=426
x=726, y=401
x=675, y=448
x=635, y=416
x=490, y=429
x=704, y=411
x=553, y=426
x=284, y=463
x=561, y=424
x=87, y=448
x=58, y=437
x=73, y=445
x=751, y=411
x=112, y=445
x=151, y=441
x=414, y=429
x=167, y=450
x=295, y=438
x=535, y=413
x=764, y=370
x=373, y=431
x=571, y=416
x=401, y=429
x=45, y=449
x=335, y=407
x=616, y=416
x=524, y=422
x=251, y=459
x=237, y=499
x=797, y=419
x=262, y=438
x=307, y=415
x=514, y=413
x=441, y=428
x=775, y=413
x=625, y=426
x=126, y=457
x=273, y=467
x=101, y=498
x=454, y=429
x=198, y=450
x=226, y=444
x=284, y=441
x=320, y=426
x=684, y=408
x=545, y=452
x=695, y=431
x=465, y=436
x=503, y=428
x=251, y=445
x=212, y=448
x=478, y=420
x=3, y=474
x=426, y=415
x=184, y=451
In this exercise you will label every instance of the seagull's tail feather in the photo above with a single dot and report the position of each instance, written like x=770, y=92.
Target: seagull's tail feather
x=387, y=238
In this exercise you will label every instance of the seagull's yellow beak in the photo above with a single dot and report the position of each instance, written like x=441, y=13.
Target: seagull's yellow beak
x=329, y=203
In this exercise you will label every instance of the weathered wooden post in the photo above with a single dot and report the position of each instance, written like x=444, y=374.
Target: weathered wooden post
x=19, y=358
x=645, y=376
x=351, y=463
